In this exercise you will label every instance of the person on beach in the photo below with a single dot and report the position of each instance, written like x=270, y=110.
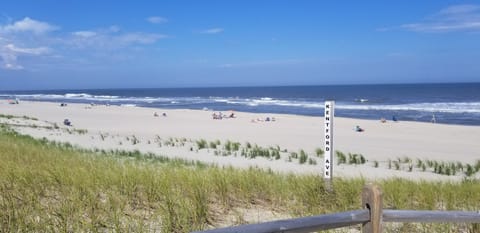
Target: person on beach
x=394, y=118
x=217, y=117
x=358, y=129
x=67, y=122
x=434, y=120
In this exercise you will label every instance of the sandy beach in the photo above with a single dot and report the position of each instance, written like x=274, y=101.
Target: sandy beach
x=176, y=134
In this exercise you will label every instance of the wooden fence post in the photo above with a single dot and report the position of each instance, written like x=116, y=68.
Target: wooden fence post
x=372, y=200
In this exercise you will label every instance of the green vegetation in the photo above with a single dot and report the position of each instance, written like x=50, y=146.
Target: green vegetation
x=341, y=158
x=303, y=157
x=202, y=143
x=20, y=117
x=213, y=145
x=352, y=158
x=55, y=187
x=438, y=167
x=356, y=159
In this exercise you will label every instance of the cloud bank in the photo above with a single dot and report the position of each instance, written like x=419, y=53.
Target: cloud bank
x=28, y=25
x=450, y=19
x=33, y=38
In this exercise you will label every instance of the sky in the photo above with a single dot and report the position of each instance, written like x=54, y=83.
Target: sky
x=82, y=44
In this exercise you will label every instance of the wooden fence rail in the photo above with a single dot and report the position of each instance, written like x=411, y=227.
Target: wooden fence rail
x=300, y=225
x=371, y=217
x=431, y=216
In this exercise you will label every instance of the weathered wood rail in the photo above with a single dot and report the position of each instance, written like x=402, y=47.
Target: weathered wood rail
x=371, y=217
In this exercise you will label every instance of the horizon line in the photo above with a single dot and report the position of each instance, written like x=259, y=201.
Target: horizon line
x=243, y=86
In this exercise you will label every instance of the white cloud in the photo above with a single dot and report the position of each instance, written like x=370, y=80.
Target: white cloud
x=157, y=20
x=31, y=51
x=84, y=33
x=29, y=25
x=110, y=39
x=212, y=31
x=140, y=38
x=458, y=9
x=453, y=18
x=10, y=53
x=10, y=61
x=30, y=38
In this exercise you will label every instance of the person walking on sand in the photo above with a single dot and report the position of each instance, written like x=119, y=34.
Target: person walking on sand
x=394, y=118
x=434, y=120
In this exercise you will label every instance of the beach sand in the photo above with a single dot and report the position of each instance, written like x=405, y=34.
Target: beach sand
x=136, y=128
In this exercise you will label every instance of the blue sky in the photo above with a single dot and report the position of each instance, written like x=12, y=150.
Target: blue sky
x=114, y=44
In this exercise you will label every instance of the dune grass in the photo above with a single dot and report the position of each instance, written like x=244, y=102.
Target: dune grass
x=51, y=187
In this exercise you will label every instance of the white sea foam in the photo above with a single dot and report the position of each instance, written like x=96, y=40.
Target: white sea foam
x=452, y=107
x=445, y=107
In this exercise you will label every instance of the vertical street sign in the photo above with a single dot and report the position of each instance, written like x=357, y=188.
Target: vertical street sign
x=328, y=165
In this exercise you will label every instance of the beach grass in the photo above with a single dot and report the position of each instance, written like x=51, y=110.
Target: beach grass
x=52, y=187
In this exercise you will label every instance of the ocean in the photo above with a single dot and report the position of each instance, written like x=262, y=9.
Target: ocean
x=454, y=103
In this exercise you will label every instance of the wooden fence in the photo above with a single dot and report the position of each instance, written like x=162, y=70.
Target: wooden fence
x=371, y=217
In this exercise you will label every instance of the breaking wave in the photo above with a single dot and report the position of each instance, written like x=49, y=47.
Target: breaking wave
x=446, y=107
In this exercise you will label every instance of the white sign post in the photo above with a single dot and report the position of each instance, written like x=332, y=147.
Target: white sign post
x=328, y=166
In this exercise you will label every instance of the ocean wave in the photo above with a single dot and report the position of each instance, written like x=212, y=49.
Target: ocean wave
x=89, y=97
x=446, y=107
x=76, y=96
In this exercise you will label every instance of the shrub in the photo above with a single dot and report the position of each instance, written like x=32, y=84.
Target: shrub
x=201, y=144
x=419, y=163
x=236, y=146
x=341, y=158
x=397, y=165
x=294, y=155
x=477, y=166
x=303, y=157
x=135, y=140
x=319, y=152
x=470, y=170
x=276, y=154
x=362, y=159
x=213, y=145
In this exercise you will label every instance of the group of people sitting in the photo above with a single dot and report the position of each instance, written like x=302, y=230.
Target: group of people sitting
x=267, y=119
x=220, y=116
x=383, y=120
x=155, y=114
x=14, y=101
